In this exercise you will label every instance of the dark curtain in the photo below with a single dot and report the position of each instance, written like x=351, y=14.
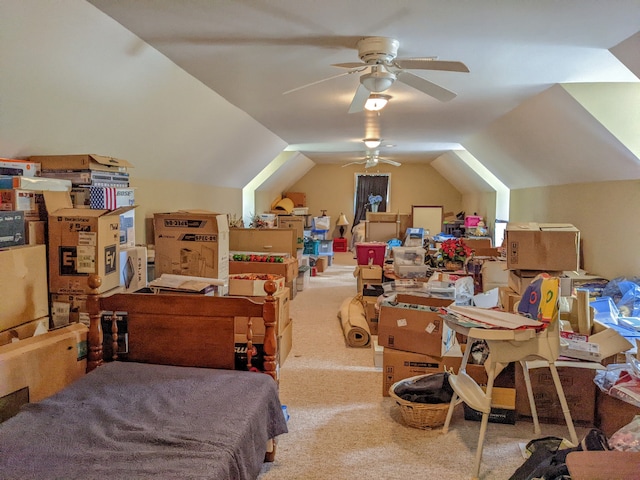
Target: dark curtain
x=369, y=185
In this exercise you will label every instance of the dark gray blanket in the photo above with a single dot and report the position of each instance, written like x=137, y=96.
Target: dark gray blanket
x=134, y=421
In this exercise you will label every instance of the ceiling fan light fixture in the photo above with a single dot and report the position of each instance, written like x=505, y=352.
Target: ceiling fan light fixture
x=376, y=102
x=378, y=80
x=372, y=142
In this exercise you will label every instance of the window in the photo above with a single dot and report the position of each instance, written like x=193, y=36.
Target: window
x=373, y=184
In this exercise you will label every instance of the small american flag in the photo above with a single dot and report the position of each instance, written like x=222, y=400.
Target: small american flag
x=103, y=198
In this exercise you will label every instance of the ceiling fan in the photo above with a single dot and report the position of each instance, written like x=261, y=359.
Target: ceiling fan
x=372, y=159
x=378, y=55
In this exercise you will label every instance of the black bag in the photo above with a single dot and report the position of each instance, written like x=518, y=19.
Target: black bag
x=432, y=388
x=547, y=462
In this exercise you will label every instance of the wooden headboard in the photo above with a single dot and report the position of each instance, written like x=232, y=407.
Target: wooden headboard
x=185, y=330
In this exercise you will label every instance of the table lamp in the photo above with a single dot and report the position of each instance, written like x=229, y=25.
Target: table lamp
x=342, y=222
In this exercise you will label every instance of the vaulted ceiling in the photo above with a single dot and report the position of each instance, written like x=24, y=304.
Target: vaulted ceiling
x=551, y=96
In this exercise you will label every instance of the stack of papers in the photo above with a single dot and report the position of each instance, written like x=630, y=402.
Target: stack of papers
x=474, y=317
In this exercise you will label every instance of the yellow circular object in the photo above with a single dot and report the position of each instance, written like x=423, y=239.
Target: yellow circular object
x=285, y=204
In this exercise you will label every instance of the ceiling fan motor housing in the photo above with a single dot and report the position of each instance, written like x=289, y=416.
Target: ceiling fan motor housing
x=374, y=50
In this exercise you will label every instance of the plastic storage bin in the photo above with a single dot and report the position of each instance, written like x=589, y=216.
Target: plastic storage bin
x=408, y=255
x=371, y=253
x=326, y=246
x=311, y=247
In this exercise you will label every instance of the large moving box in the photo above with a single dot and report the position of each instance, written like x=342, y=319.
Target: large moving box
x=82, y=241
x=578, y=386
x=288, y=268
x=398, y=365
x=44, y=364
x=23, y=283
x=542, y=246
x=414, y=327
x=192, y=243
x=265, y=240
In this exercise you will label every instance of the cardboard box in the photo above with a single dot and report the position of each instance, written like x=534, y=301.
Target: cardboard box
x=267, y=240
x=128, y=229
x=367, y=274
x=252, y=285
x=519, y=280
x=26, y=330
x=494, y=275
x=45, y=363
x=15, y=167
x=415, y=327
x=35, y=232
x=371, y=314
x=71, y=308
x=577, y=383
x=612, y=413
x=299, y=199
x=398, y=365
x=192, y=243
x=295, y=223
x=288, y=268
x=508, y=299
x=27, y=201
x=81, y=162
x=257, y=324
x=82, y=241
x=601, y=344
x=542, y=246
x=503, y=407
x=285, y=343
x=12, y=228
x=110, y=198
x=378, y=352
x=23, y=284
x=322, y=263
x=133, y=268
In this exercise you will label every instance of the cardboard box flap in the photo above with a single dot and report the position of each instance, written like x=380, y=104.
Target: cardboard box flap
x=60, y=203
x=55, y=201
x=110, y=161
x=81, y=161
x=118, y=211
x=557, y=227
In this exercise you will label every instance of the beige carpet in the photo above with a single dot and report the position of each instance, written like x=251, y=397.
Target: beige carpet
x=341, y=427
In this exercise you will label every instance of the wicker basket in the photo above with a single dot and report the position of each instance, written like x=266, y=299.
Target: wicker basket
x=420, y=415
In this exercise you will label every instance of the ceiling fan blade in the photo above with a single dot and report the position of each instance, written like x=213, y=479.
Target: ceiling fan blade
x=425, y=86
x=317, y=82
x=350, y=65
x=359, y=99
x=390, y=162
x=430, y=64
x=352, y=163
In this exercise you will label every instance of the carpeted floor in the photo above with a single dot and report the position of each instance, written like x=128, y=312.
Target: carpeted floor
x=341, y=427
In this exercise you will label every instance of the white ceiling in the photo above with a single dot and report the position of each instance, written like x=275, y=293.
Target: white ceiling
x=252, y=51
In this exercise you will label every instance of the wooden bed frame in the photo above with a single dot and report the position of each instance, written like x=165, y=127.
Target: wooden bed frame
x=184, y=330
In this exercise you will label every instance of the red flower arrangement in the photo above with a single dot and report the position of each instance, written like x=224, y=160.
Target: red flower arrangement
x=454, y=250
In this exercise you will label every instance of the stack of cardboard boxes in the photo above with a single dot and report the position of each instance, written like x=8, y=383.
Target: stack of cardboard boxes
x=531, y=249
x=415, y=338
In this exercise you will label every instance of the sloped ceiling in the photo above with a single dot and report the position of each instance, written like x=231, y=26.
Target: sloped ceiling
x=75, y=81
x=552, y=140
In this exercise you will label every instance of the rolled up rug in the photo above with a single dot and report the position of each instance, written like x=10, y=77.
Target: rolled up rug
x=354, y=323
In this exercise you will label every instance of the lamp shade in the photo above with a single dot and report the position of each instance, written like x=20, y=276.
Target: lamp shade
x=372, y=142
x=378, y=80
x=342, y=220
x=376, y=102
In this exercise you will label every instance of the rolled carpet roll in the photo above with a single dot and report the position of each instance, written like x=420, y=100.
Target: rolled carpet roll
x=354, y=323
